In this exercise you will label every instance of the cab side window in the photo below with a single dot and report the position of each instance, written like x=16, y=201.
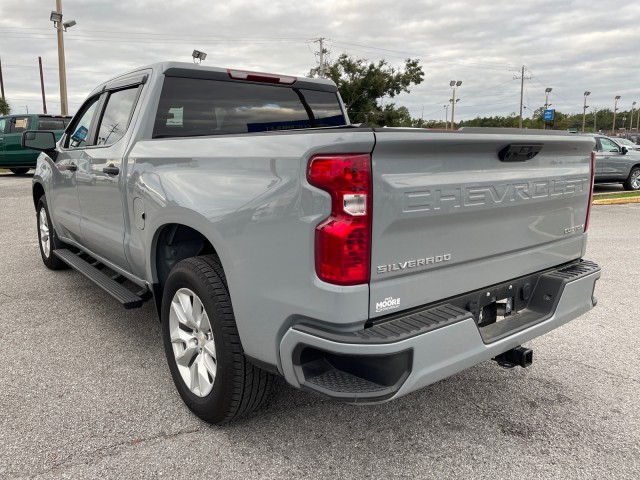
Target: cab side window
x=609, y=146
x=18, y=124
x=117, y=115
x=81, y=128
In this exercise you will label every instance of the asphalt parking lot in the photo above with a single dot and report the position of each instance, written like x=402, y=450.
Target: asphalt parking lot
x=85, y=391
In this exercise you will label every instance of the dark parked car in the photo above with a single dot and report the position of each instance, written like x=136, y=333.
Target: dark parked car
x=12, y=156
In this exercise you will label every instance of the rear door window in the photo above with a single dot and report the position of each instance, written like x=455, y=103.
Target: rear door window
x=196, y=107
x=117, y=115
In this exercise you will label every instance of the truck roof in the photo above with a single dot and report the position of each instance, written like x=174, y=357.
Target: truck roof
x=192, y=70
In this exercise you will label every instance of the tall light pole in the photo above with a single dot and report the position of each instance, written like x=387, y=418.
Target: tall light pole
x=547, y=91
x=595, y=115
x=615, y=109
x=446, y=116
x=631, y=122
x=584, y=109
x=452, y=108
x=454, y=84
x=56, y=18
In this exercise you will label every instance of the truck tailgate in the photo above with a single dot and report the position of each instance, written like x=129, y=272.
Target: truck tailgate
x=451, y=216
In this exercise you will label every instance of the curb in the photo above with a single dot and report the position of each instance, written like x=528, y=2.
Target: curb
x=616, y=201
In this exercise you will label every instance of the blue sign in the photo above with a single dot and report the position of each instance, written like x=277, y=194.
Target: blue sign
x=548, y=115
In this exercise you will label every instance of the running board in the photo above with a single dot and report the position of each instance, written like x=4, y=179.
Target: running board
x=126, y=297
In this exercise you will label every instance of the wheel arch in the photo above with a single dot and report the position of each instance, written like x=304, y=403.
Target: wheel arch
x=37, y=192
x=172, y=243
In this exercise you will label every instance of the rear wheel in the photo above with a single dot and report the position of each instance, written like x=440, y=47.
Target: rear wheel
x=47, y=238
x=19, y=171
x=633, y=180
x=202, y=344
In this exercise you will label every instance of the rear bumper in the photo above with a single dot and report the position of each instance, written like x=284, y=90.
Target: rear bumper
x=409, y=351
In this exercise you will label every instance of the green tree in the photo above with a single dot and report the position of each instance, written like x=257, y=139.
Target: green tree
x=363, y=85
x=5, y=109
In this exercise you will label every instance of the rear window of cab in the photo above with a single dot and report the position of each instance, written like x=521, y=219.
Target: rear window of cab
x=197, y=107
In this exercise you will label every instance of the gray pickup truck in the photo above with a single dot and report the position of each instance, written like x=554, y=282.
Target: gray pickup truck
x=276, y=238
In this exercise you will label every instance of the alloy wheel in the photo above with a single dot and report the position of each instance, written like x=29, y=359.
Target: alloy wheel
x=45, y=239
x=194, y=348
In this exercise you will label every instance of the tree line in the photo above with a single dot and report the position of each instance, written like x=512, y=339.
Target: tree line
x=368, y=90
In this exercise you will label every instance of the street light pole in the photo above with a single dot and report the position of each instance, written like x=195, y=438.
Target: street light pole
x=446, y=116
x=61, y=27
x=595, y=115
x=547, y=91
x=631, y=122
x=615, y=109
x=584, y=109
x=61, y=63
x=453, y=84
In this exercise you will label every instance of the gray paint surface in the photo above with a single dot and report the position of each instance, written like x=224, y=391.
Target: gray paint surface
x=248, y=195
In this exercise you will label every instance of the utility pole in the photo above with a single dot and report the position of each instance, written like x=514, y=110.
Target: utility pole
x=321, y=66
x=595, y=115
x=44, y=101
x=446, y=116
x=633, y=106
x=1, y=81
x=522, y=79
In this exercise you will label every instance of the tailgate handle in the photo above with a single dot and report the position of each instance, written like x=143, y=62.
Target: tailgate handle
x=519, y=152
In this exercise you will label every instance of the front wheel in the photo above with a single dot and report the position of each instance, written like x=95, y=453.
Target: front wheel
x=19, y=171
x=202, y=344
x=633, y=180
x=48, y=240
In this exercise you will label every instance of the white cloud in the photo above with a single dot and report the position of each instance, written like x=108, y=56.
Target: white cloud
x=571, y=46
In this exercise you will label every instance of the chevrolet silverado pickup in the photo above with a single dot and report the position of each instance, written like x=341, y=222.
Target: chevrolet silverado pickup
x=276, y=238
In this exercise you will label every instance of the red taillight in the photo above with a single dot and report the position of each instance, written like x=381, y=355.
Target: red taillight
x=343, y=241
x=593, y=176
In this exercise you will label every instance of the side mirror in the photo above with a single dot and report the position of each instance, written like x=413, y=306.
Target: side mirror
x=624, y=150
x=39, y=140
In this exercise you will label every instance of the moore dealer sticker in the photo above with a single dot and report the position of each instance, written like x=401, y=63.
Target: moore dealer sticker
x=388, y=303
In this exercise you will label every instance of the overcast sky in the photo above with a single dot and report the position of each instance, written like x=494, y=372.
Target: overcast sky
x=570, y=46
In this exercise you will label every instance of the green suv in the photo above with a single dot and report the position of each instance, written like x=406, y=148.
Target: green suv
x=12, y=156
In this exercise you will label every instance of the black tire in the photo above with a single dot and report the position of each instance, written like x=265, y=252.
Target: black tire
x=19, y=171
x=633, y=180
x=50, y=260
x=239, y=386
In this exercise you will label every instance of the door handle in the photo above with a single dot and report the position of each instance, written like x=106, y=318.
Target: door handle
x=111, y=170
x=72, y=167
